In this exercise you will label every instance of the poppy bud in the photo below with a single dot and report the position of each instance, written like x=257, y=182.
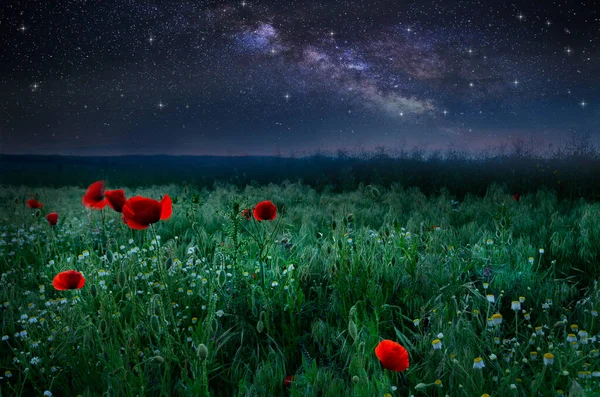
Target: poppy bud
x=155, y=324
x=355, y=379
x=352, y=329
x=350, y=217
x=260, y=326
x=254, y=311
x=16, y=200
x=340, y=244
x=202, y=351
x=38, y=213
x=94, y=291
x=158, y=359
x=333, y=225
x=222, y=278
x=168, y=262
x=121, y=279
x=103, y=326
x=109, y=256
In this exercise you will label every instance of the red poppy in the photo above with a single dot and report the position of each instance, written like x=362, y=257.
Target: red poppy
x=247, y=213
x=392, y=355
x=34, y=204
x=94, y=196
x=265, y=211
x=52, y=218
x=70, y=279
x=140, y=212
x=116, y=199
x=287, y=382
x=516, y=197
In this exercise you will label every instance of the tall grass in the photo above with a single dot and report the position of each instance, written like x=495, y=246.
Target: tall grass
x=208, y=303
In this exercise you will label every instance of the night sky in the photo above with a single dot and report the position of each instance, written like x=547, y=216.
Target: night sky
x=116, y=77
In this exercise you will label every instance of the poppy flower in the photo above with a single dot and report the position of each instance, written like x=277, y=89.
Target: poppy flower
x=141, y=212
x=34, y=204
x=287, y=382
x=70, y=279
x=115, y=199
x=265, y=211
x=516, y=197
x=94, y=196
x=392, y=355
x=52, y=218
x=247, y=213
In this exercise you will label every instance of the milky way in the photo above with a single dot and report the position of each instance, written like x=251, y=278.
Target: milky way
x=176, y=77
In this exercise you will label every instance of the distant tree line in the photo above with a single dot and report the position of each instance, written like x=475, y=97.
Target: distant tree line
x=572, y=170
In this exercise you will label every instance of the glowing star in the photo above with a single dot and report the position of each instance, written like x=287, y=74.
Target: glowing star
x=548, y=23
x=161, y=105
x=22, y=28
x=287, y=96
x=471, y=84
x=35, y=86
x=583, y=104
x=521, y=17
x=569, y=51
x=445, y=112
x=516, y=82
x=151, y=39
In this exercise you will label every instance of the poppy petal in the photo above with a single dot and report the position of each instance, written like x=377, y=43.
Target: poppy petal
x=166, y=207
x=94, y=196
x=52, y=218
x=70, y=279
x=115, y=199
x=392, y=355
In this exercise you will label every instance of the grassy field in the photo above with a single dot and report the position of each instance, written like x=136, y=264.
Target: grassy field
x=209, y=303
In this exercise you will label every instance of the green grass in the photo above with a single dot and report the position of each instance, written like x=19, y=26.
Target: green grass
x=207, y=303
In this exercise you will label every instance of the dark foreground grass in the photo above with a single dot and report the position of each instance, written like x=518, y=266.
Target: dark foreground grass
x=208, y=303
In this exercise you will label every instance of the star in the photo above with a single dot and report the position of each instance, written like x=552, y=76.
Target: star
x=548, y=23
x=583, y=104
x=445, y=112
x=161, y=105
x=287, y=96
x=151, y=39
x=569, y=51
x=471, y=84
x=22, y=28
x=34, y=87
x=521, y=17
x=516, y=82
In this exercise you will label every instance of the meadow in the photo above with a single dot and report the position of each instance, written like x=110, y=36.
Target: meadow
x=490, y=295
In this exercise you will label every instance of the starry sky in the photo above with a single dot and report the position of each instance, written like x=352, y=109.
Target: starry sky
x=117, y=77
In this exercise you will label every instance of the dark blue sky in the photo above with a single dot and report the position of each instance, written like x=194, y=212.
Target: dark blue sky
x=265, y=77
